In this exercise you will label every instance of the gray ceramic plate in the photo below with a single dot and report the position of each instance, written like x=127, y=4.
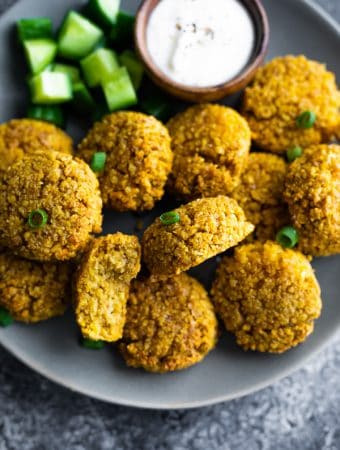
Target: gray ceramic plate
x=51, y=348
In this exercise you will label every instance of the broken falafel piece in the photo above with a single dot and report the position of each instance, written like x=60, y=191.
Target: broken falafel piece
x=102, y=285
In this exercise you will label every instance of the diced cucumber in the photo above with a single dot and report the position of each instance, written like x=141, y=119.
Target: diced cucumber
x=50, y=88
x=39, y=53
x=135, y=68
x=119, y=91
x=52, y=113
x=103, y=12
x=122, y=31
x=99, y=66
x=72, y=71
x=78, y=36
x=83, y=102
x=35, y=28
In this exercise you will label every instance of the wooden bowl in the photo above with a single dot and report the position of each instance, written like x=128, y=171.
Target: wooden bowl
x=203, y=94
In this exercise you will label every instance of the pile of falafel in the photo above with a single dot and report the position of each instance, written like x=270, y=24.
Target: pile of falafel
x=237, y=190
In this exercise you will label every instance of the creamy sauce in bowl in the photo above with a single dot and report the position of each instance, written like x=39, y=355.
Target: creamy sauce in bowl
x=200, y=43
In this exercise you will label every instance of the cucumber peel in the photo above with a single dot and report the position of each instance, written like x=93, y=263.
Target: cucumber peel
x=103, y=12
x=51, y=113
x=35, y=28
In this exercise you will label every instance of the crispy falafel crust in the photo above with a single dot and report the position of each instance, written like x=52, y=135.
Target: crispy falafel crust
x=260, y=194
x=20, y=137
x=170, y=324
x=33, y=291
x=267, y=296
x=207, y=226
x=102, y=285
x=312, y=191
x=211, y=145
x=280, y=92
x=139, y=159
x=66, y=189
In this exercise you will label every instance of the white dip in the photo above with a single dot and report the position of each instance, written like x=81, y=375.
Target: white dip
x=200, y=43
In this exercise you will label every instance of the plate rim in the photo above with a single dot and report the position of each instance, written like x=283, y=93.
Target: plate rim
x=15, y=351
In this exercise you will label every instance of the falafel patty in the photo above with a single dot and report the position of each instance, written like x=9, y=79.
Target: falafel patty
x=282, y=90
x=102, y=285
x=20, y=137
x=260, y=194
x=211, y=145
x=206, y=227
x=139, y=159
x=312, y=191
x=267, y=296
x=32, y=291
x=170, y=324
x=65, y=190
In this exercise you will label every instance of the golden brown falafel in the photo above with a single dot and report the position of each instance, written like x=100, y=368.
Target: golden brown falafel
x=65, y=189
x=207, y=227
x=32, y=291
x=170, y=324
x=312, y=191
x=260, y=194
x=139, y=159
x=20, y=137
x=211, y=145
x=267, y=296
x=282, y=90
x=102, y=285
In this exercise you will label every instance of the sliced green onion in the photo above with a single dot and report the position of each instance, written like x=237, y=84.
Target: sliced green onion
x=294, y=153
x=306, y=120
x=288, y=237
x=91, y=344
x=98, y=162
x=5, y=318
x=169, y=218
x=37, y=218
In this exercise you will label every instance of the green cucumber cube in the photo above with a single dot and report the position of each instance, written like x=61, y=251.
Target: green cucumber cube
x=78, y=36
x=49, y=88
x=99, y=66
x=36, y=28
x=122, y=31
x=72, y=71
x=48, y=113
x=103, y=12
x=119, y=91
x=39, y=53
x=129, y=60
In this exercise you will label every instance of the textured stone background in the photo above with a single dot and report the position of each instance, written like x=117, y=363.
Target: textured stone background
x=301, y=412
